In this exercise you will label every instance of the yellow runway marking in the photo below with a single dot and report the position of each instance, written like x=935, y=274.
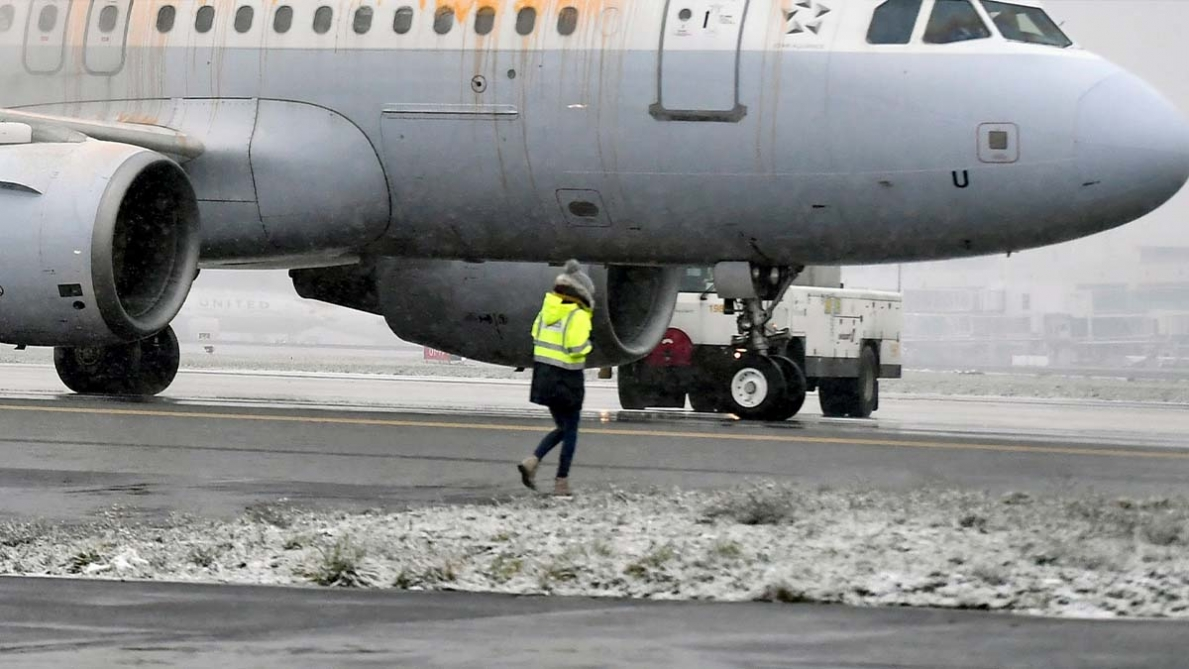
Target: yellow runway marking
x=665, y=434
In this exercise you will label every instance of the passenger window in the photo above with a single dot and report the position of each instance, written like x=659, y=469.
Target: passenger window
x=323, y=19
x=109, y=16
x=955, y=21
x=567, y=21
x=48, y=18
x=893, y=21
x=7, y=16
x=403, y=22
x=1026, y=24
x=443, y=20
x=282, y=21
x=243, y=19
x=205, y=19
x=526, y=21
x=165, y=18
x=485, y=21
x=363, y=20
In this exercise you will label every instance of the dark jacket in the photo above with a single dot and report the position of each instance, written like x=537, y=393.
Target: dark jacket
x=558, y=388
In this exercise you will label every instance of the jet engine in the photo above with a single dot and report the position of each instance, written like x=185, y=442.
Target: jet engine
x=485, y=311
x=99, y=243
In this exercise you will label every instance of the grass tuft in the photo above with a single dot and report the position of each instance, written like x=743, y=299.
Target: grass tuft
x=277, y=515
x=341, y=565
x=784, y=594
x=204, y=556
x=758, y=505
x=79, y=562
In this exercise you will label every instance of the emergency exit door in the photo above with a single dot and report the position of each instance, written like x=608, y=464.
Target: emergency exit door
x=698, y=78
x=45, y=35
x=107, y=36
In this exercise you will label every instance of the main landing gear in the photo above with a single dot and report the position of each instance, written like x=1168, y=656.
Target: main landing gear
x=765, y=383
x=146, y=367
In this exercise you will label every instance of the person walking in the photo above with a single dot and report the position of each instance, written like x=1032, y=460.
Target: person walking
x=561, y=342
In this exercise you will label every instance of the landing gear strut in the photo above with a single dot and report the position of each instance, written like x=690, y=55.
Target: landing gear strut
x=764, y=384
x=146, y=367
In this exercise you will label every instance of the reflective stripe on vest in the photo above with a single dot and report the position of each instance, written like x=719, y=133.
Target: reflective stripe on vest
x=549, y=345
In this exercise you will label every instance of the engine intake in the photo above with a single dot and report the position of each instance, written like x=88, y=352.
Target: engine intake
x=99, y=243
x=486, y=311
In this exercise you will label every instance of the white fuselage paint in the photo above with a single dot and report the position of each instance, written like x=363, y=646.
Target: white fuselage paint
x=735, y=132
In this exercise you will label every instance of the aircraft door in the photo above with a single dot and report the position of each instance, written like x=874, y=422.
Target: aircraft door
x=698, y=78
x=107, y=35
x=45, y=35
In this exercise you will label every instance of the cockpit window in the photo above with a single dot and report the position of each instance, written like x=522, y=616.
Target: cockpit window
x=1026, y=24
x=893, y=21
x=955, y=21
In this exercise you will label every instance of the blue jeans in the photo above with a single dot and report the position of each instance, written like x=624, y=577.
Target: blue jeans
x=566, y=433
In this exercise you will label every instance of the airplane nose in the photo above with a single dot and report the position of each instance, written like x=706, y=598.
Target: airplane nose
x=1132, y=148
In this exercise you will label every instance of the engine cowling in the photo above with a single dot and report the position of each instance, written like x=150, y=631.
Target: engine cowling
x=486, y=311
x=99, y=243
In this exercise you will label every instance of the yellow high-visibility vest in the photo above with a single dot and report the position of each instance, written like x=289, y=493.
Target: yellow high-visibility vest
x=561, y=333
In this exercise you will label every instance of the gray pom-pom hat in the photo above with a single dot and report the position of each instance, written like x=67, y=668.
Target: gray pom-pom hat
x=576, y=283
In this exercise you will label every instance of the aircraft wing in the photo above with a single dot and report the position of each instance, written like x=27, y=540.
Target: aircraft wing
x=172, y=143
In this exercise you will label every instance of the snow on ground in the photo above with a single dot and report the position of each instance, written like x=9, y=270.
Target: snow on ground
x=1102, y=557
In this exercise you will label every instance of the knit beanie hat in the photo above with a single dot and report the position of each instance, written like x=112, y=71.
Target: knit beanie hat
x=576, y=282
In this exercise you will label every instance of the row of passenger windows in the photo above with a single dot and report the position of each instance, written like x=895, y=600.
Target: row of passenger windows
x=958, y=21
x=892, y=23
x=364, y=17
x=322, y=20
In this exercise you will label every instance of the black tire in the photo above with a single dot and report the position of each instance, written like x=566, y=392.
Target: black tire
x=146, y=367
x=755, y=388
x=631, y=394
x=160, y=357
x=857, y=397
x=794, y=390
x=98, y=370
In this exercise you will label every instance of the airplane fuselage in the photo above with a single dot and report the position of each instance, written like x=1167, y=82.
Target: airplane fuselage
x=627, y=132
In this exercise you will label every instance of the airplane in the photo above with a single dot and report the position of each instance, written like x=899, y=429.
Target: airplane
x=434, y=162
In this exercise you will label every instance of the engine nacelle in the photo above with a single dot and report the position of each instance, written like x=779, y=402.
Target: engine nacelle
x=99, y=243
x=486, y=311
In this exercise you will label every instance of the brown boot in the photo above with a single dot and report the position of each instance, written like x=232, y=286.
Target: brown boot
x=528, y=471
x=561, y=488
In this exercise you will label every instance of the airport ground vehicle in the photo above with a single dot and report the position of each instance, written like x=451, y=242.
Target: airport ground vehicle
x=837, y=341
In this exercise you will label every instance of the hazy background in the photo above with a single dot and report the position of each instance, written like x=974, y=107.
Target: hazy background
x=1120, y=298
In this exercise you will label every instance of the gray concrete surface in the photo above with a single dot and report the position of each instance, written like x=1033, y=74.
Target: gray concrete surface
x=219, y=442
x=56, y=623
x=222, y=441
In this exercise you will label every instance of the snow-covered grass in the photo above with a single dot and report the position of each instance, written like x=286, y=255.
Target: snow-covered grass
x=1047, y=386
x=1084, y=557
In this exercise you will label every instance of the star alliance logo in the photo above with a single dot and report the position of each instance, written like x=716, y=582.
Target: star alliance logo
x=805, y=16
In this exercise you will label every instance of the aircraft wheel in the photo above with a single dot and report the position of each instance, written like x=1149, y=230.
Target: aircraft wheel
x=632, y=394
x=160, y=357
x=756, y=387
x=795, y=389
x=97, y=370
x=141, y=368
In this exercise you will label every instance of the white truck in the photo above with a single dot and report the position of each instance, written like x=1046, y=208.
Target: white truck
x=835, y=340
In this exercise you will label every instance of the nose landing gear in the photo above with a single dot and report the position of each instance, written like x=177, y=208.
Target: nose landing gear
x=764, y=383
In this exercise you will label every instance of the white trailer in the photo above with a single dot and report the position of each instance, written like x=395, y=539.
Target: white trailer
x=837, y=341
